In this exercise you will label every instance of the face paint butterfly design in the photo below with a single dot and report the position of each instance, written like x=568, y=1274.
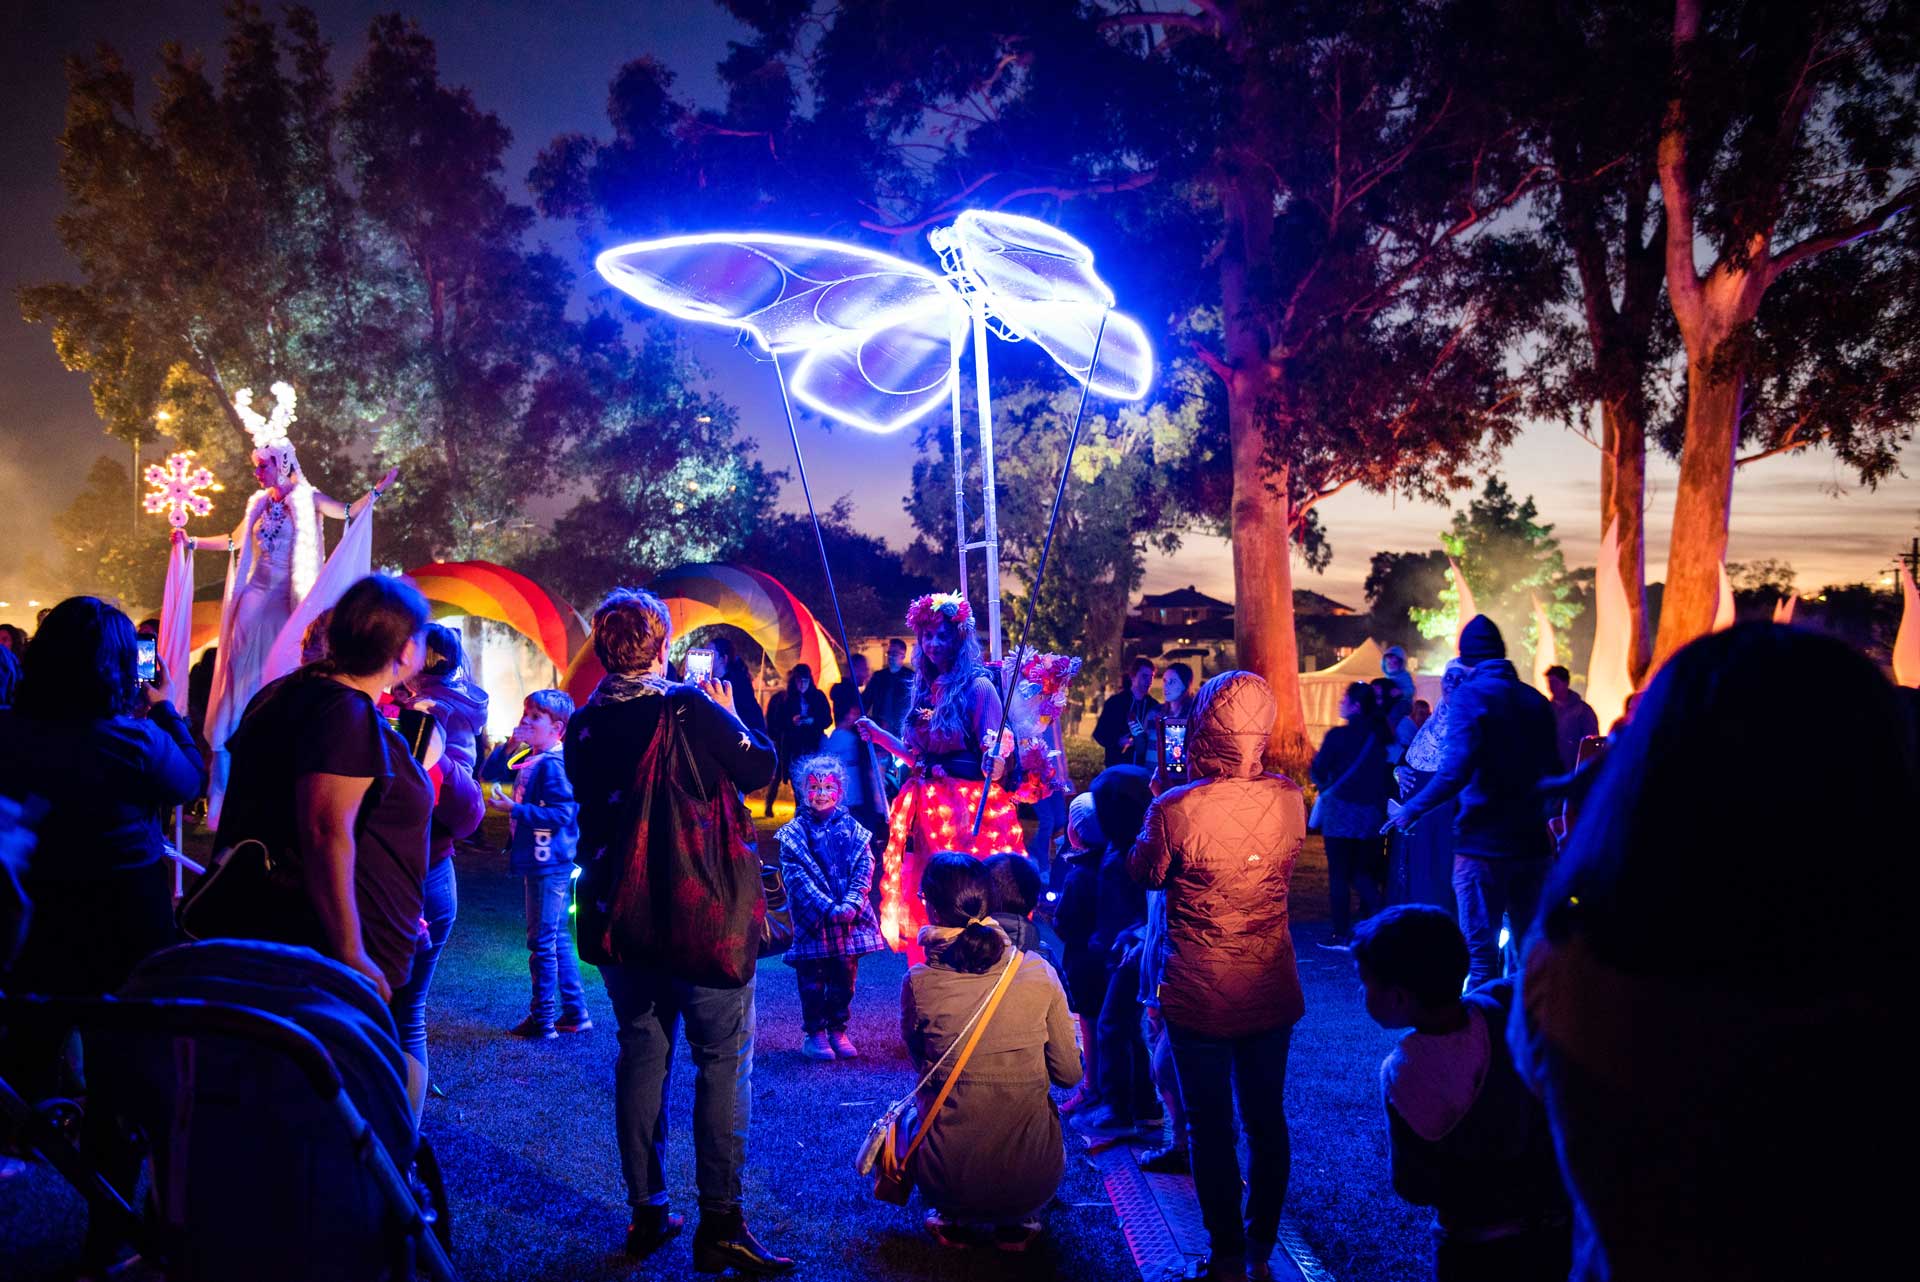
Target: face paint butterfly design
x=877, y=336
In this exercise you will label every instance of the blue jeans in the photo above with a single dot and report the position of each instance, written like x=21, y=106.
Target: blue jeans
x=409, y=1005
x=1213, y=1073
x=550, y=956
x=1488, y=891
x=649, y=1007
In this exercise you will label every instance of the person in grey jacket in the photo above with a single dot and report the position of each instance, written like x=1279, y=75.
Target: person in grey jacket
x=993, y=1155
x=1500, y=745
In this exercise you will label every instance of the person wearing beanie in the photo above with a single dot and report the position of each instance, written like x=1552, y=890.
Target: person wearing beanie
x=1501, y=742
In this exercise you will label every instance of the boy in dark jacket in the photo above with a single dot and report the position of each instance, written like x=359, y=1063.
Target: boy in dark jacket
x=546, y=830
x=1500, y=746
x=1468, y=1138
x=1013, y=892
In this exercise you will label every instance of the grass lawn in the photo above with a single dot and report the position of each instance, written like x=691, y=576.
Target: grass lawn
x=525, y=1133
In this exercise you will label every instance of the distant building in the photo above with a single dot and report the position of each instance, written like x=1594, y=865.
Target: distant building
x=1311, y=604
x=1184, y=606
x=1187, y=624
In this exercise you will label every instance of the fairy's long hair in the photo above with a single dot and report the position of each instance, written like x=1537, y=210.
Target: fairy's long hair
x=949, y=700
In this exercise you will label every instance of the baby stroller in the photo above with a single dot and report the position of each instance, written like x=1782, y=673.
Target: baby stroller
x=270, y=1085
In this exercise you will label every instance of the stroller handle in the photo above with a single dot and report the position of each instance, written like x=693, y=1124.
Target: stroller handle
x=183, y=1016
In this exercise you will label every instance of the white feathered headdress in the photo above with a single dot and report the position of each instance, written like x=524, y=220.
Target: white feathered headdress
x=270, y=439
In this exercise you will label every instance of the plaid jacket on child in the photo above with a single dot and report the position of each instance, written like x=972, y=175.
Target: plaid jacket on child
x=828, y=862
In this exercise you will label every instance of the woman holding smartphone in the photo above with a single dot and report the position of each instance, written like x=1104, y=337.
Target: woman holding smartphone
x=1177, y=684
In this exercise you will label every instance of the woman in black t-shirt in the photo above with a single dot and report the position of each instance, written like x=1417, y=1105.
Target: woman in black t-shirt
x=317, y=770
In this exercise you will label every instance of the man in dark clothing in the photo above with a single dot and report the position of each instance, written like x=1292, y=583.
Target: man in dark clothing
x=856, y=681
x=1500, y=745
x=1122, y=727
x=798, y=719
x=888, y=697
x=890, y=693
x=1573, y=717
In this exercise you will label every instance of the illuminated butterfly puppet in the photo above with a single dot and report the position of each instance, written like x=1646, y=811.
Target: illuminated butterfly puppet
x=875, y=341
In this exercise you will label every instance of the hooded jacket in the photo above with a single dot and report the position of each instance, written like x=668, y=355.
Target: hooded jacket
x=457, y=704
x=1223, y=848
x=1499, y=745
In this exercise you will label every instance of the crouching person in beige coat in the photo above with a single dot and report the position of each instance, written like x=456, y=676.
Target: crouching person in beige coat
x=993, y=1156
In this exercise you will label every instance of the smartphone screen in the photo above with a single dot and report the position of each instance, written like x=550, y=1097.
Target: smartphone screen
x=700, y=664
x=1173, y=749
x=148, y=650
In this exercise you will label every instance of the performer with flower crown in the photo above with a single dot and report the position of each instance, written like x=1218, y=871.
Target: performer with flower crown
x=946, y=744
x=276, y=567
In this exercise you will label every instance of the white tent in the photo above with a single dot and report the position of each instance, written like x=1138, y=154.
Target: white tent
x=1320, y=691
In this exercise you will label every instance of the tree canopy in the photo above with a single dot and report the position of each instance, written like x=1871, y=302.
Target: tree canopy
x=259, y=224
x=1510, y=559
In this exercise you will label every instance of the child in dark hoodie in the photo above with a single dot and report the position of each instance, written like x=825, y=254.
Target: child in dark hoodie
x=1074, y=920
x=1128, y=1101
x=1467, y=1137
x=546, y=829
x=1013, y=892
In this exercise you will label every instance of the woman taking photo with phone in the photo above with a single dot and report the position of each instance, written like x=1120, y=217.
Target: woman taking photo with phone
x=98, y=879
x=1177, y=684
x=99, y=888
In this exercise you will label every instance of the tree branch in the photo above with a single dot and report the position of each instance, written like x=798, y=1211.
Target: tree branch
x=1313, y=500
x=1859, y=229
x=1182, y=21
x=1676, y=195
x=1787, y=447
x=1132, y=183
x=1211, y=360
x=940, y=211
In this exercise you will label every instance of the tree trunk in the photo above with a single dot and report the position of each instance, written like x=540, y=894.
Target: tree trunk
x=1263, y=624
x=1623, y=505
x=1702, y=507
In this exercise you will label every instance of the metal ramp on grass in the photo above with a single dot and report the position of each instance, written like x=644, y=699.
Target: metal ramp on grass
x=1160, y=1217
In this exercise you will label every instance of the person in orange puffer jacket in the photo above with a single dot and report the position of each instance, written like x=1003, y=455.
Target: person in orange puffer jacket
x=1222, y=848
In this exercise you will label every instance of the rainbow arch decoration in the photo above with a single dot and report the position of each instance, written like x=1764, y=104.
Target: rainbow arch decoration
x=488, y=591
x=699, y=596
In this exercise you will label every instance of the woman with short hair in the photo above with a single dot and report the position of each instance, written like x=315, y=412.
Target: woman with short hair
x=621, y=731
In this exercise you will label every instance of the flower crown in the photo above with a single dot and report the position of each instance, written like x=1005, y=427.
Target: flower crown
x=936, y=608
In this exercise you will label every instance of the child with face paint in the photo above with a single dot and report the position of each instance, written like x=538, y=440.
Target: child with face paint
x=827, y=859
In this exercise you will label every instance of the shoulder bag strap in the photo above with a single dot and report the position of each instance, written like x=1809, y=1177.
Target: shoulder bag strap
x=695, y=784
x=960, y=1065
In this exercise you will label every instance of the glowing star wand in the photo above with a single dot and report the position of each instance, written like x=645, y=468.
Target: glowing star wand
x=176, y=489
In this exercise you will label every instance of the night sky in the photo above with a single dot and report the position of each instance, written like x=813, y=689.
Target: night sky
x=544, y=69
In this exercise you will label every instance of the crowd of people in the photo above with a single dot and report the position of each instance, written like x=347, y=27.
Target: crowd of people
x=1626, y=1035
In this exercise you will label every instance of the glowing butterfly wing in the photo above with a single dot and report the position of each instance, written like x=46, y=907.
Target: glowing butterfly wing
x=792, y=293
x=884, y=378
x=1041, y=283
